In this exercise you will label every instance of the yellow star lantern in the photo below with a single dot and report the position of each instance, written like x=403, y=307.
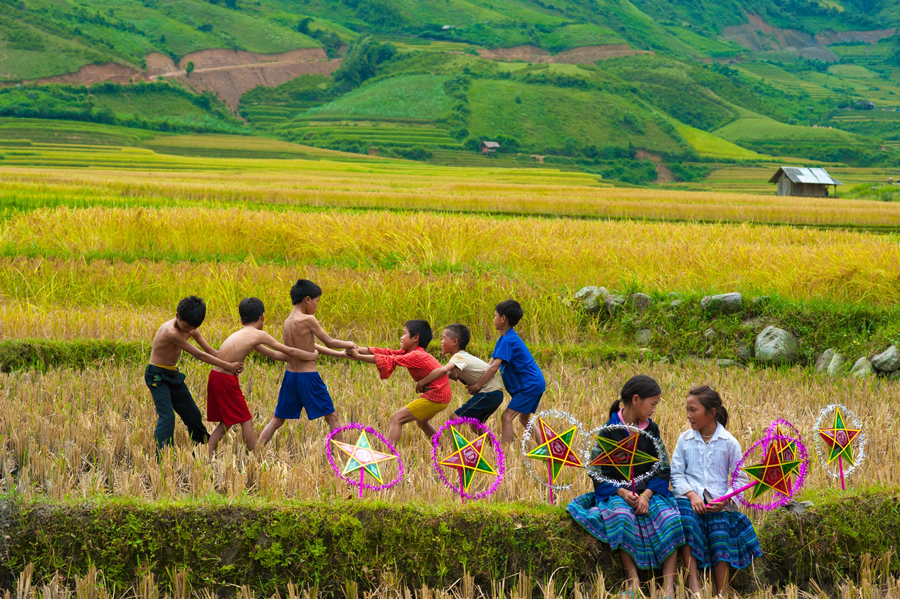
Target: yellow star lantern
x=839, y=439
x=555, y=448
x=773, y=474
x=363, y=458
x=467, y=459
x=622, y=455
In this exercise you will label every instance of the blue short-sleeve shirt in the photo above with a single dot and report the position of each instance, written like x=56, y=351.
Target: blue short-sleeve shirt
x=521, y=374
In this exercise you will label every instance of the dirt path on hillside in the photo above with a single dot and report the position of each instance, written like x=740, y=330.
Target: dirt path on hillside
x=663, y=174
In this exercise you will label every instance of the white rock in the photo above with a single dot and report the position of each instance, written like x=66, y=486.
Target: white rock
x=591, y=298
x=837, y=363
x=776, y=346
x=888, y=360
x=643, y=337
x=724, y=303
x=824, y=360
x=862, y=368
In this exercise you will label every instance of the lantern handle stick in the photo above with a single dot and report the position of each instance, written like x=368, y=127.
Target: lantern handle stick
x=841, y=468
x=730, y=495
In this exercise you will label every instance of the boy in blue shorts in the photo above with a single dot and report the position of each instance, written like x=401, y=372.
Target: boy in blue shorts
x=302, y=387
x=466, y=368
x=522, y=378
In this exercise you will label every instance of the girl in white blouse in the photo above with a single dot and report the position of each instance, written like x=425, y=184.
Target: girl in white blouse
x=718, y=536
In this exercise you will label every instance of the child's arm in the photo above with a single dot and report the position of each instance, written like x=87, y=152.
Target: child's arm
x=358, y=355
x=327, y=339
x=181, y=343
x=492, y=369
x=203, y=344
x=271, y=353
x=434, y=375
x=300, y=354
x=324, y=351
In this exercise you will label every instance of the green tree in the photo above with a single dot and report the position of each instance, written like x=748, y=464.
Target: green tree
x=189, y=68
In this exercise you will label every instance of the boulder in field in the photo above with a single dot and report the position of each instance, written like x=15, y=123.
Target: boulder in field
x=862, y=368
x=591, y=298
x=776, y=346
x=643, y=337
x=724, y=303
x=835, y=365
x=640, y=301
x=824, y=360
x=742, y=351
x=613, y=304
x=676, y=303
x=888, y=360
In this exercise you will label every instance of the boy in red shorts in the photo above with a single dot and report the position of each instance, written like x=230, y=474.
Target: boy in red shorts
x=411, y=355
x=225, y=401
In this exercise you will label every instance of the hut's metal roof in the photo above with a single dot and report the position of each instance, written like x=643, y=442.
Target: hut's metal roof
x=490, y=144
x=802, y=174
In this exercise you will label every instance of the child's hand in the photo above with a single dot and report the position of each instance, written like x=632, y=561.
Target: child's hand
x=235, y=367
x=420, y=387
x=473, y=389
x=643, y=506
x=341, y=354
x=453, y=375
x=352, y=353
x=697, y=503
x=630, y=498
x=715, y=508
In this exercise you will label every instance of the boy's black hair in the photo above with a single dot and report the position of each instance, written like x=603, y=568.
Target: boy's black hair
x=460, y=332
x=512, y=310
x=420, y=328
x=192, y=310
x=251, y=309
x=304, y=288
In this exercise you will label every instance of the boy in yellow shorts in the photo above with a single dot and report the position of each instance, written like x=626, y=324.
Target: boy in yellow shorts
x=411, y=355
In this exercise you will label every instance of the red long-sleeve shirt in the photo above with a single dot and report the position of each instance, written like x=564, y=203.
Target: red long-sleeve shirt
x=419, y=363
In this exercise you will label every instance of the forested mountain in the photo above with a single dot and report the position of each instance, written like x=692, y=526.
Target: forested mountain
x=622, y=87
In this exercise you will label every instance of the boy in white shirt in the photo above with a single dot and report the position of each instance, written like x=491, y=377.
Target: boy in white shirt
x=468, y=369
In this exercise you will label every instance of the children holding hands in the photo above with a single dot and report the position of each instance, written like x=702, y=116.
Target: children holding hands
x=521, y=375
x=468, y=369
x=166, y=384
x=302, y=387
x=225, y=402
x=435, y=396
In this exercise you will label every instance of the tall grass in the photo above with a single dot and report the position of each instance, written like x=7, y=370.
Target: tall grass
x=78, y=435
x=873, y=582
x=386, y=184
x=547, y=254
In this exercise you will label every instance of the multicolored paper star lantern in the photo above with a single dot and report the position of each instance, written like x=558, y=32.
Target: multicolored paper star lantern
x=468, y=458
x=839, y=439
x=622, y=455
x=557, y=448
x=784, y=444
x=362, y=456
x=773, y=474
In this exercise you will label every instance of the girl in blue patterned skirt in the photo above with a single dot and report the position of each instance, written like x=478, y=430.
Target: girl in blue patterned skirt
x=718, y=536
x=642, y=523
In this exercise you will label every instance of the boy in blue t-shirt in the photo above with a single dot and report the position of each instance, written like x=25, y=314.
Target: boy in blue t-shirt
x=522, y=378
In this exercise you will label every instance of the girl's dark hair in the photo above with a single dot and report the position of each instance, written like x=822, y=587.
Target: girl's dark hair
x=710, y=399
x=641, y=385
x=420, y=328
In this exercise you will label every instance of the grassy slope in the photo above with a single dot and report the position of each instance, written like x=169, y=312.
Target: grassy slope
x=406, y=96
x=550, y=117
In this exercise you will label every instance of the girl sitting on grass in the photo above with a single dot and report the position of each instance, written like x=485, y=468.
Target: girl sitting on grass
x=718, y=536
x=643, y=524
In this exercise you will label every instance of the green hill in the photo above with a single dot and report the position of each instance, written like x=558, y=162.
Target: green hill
x=611, y=86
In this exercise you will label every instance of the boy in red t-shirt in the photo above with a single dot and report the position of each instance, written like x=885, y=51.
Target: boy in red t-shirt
x=412, y=356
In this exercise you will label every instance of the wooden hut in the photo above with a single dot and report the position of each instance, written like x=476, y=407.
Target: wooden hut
x=489, y=146
x=803, y=181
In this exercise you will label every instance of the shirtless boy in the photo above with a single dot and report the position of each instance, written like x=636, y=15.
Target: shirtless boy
x=302, y=387
x=166, y=383
x=225, y=402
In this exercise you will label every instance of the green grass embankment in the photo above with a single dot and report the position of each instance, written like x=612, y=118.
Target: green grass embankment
x=331, y=544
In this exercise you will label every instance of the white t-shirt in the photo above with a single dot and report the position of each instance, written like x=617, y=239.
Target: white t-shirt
x=471, y=370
